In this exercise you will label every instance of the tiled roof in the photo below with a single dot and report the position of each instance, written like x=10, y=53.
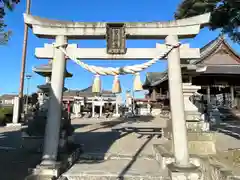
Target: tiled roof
x=87, y=92
x=8, y=96
x=46, y=70
x=235, y=69
x=153, y=79
x=46, y=87
x=213, y=45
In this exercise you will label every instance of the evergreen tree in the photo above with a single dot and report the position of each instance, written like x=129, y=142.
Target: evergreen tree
x=225, y=14
x=5, y=5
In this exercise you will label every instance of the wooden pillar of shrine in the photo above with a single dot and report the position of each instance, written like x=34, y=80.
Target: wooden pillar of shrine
x=154, y=94
x=208, y=95
x=232, y=96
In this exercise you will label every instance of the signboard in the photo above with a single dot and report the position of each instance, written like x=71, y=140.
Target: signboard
x=116, y=38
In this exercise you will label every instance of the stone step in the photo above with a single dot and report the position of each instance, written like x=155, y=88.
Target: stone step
x=111, y=156
x=164, y=156
x=137, y=169
x=229, y=132
x=36, y=177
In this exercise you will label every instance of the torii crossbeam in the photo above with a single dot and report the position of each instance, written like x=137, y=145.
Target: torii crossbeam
x=184, y=28
x=47, y=52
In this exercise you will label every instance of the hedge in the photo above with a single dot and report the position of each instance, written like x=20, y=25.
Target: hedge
x=5, y=115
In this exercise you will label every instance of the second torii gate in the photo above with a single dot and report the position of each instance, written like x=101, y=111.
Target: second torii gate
x=116, y=35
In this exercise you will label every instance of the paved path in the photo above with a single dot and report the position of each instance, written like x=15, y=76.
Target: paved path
x=127, y=154
x=230, y=128
x=15, y=162
x=117, y=153
x=98, y=138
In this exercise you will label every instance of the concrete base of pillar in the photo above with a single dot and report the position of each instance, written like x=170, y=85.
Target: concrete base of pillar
x=156, y=111
x=77, y=115
x=194, y=122
x=52, y=172
x=200, y=144
x=198, y=126
x=45, y=172
x=184, y=173
x=192, y=116
x=14, y=125
x=164, y=155
x=116, y=115
x=39, y=177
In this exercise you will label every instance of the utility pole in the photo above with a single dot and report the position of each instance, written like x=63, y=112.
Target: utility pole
x=23, y=64
x=133, y=103
x=28, y=77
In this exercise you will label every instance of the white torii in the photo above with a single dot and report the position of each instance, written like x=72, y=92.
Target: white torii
x=170, y=31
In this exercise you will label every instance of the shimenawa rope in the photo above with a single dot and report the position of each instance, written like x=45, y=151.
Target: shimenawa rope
x=118, y=70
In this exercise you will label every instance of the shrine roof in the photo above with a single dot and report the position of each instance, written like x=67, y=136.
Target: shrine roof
x=232, y=69
x=8, y=96
x=155, y=78
x=220, y=46
x=87, y=92
x=152, y=77
x=217, y=56
x=46, y=87
x=46, y=70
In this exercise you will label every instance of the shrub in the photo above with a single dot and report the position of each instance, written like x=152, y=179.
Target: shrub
x=2, y=118
x=5, y=115
x=6, y=110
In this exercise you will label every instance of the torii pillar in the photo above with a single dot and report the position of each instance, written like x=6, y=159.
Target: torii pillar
x=52, y=131
x=180, y=144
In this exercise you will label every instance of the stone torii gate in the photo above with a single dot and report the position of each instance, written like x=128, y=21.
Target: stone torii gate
x=116, y=35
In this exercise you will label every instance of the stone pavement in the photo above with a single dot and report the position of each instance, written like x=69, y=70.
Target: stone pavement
x=231, y=128
x=114, y=154
x=15, y=162
x=110, y=154
x=99, y=138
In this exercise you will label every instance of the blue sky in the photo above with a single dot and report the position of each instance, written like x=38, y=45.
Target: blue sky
x=89, y=11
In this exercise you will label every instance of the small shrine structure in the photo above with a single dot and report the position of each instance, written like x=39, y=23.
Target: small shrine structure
x=84, y=101
x=43, y=90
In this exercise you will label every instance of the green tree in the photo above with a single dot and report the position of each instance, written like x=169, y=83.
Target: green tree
x=34, y=98
x=5, y=5
x=225, y=14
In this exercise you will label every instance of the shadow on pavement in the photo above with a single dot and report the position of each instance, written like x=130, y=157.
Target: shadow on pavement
x=15, y=162
x=230, y=124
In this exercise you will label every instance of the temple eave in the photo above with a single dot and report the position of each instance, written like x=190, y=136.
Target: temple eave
x=48, y=74
x=46, y=87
